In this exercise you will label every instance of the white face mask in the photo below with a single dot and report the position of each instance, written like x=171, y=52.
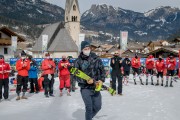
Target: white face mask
x=86, y=52
x=48, y=57
x=23, y=58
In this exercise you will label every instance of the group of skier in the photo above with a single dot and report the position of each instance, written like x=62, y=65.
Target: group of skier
x=121, y=69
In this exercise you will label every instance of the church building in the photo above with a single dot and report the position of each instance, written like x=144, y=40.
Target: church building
x=63, y=37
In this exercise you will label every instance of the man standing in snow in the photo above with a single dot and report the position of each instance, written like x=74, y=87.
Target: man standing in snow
x=22, y=66
x=171, y=66
x=136, y=64
x=73, y=82
x=64, y=75
x=116, y=64
x=150, y=65
x=160, y=67
x=4, y=78
x=126, y=68
x=90, y=64
x=48, y=67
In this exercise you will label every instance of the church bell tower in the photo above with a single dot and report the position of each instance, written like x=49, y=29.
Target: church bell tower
x=72, y=19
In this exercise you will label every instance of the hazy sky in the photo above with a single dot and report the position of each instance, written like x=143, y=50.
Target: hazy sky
x=136, y=5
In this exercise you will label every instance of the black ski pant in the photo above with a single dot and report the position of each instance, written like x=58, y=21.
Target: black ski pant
x=92, y=101
x=22, y=81
x=117, y=75
x=73, y=82
x=48, y=84
x=4, y=83
x=34, y=82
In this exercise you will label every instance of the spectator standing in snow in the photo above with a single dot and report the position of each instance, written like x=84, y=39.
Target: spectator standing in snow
x=22, y=66
x=33, y=76
x=48, y=67
x=64, y=75
x=4, y=78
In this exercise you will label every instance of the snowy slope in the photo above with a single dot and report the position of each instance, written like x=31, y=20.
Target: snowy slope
x=137, y=103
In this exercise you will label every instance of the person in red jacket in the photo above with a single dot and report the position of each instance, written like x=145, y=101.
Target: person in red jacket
x=22, y=66
x=64, y=75
x=4, y=78
x=150, y=64
x=48, y=67
x=136, y=64
x=160, y=67
x=171, y=66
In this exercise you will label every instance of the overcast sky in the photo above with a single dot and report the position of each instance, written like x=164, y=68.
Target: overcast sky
x=135, y=5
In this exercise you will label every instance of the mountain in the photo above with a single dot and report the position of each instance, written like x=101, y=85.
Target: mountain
x=31, y=11
x=155, y=24
x=23, y=16
x=29, y=16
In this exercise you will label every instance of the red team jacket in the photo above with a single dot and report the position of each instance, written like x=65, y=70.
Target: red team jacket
x=23, y=71
x=4, y=70
x=45, y=67
x=150, y=62
x=136, y=63
x=171, y=64
x=160, y=65
x=63, y=70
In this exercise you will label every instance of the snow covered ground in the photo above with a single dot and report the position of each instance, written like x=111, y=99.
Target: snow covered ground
x=138, y=103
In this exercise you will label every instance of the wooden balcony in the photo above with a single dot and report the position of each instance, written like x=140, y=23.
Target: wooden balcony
x=5, y=42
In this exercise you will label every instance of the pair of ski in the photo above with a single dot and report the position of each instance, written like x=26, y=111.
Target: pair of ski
x=82, y=75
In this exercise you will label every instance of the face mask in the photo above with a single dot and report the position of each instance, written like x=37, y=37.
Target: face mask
x=63, y=59
x=160, y=59
x=23, y=58
x=136, y=57
x=48, y=57
x=86, y=52
x=1, y=60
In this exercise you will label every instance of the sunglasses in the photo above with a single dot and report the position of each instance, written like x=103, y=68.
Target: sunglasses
x=1, y=58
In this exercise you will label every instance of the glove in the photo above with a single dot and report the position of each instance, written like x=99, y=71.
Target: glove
x=49, y=76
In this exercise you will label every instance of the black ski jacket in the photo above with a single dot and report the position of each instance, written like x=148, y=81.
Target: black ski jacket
x=126, y=64
x=116, y=67
x=92, y=66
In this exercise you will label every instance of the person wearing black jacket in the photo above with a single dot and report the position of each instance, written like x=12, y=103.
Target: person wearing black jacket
x=92, y=65
x=116, y=64
x=126, y=68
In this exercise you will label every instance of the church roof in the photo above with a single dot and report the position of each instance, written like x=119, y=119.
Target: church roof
x=59, y=39
x=63, y=43
x=69, y=5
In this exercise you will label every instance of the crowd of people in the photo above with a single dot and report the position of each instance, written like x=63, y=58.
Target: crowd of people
x=153, y=67
x=28, y=72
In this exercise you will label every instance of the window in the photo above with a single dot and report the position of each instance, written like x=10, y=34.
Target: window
x=74, y=7
x=74, y=18
x=5, y=51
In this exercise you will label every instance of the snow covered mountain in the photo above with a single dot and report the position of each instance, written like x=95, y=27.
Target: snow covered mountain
x=24, y=16
x=155, y=24
x=31, y=11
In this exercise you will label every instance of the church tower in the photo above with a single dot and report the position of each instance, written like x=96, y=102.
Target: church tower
x=72, y=19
